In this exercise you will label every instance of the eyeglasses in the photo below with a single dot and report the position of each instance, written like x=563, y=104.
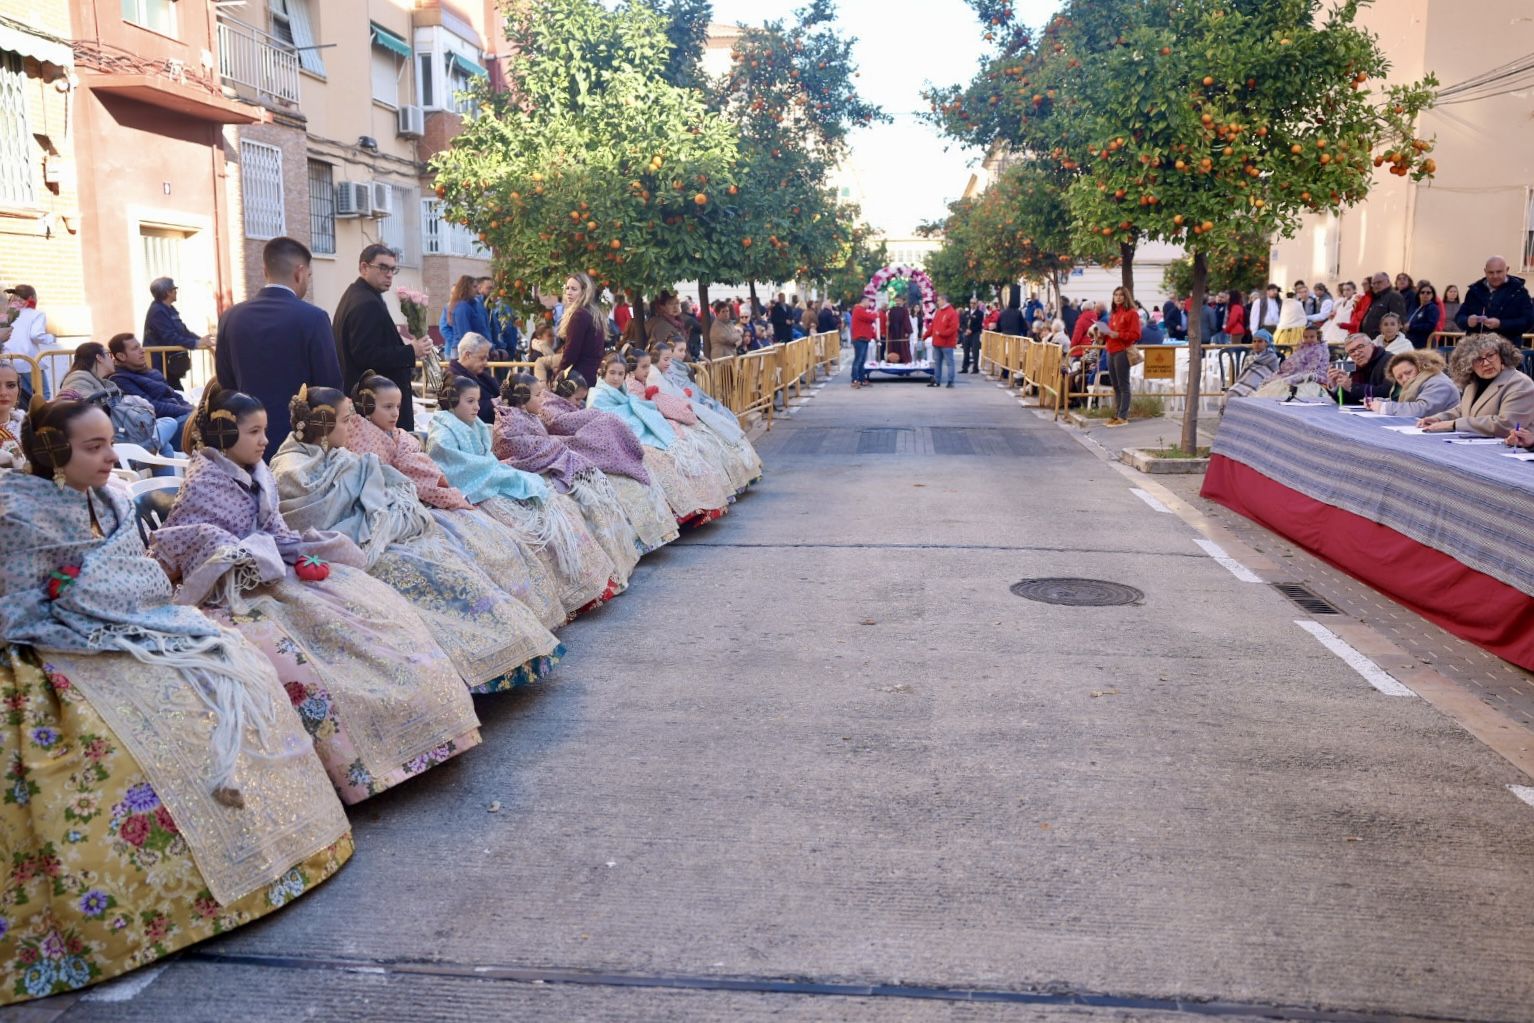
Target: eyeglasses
x=384, y=268
x=1424, y=291
x=1486, y=357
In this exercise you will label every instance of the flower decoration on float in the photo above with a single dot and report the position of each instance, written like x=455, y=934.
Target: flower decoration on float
x=896, y=281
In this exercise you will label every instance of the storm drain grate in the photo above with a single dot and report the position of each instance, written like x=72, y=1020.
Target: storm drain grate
x=1077, y=592
x=1306, y=599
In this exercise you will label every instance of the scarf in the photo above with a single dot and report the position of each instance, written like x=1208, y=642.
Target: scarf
x=602, y=439
x=715, y=416
x=640, y=416
x=225, y=535
x=522, y=441
x=403, y=452
x=676, y=409
x=356, y=495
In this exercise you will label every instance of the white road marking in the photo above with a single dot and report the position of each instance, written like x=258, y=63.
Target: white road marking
x=1523, y=792
x=1148, y=499
x=1373, y=674
x=1231, y=565
x=126, y=989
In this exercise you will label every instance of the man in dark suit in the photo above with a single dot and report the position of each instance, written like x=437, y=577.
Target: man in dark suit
x=366, y=336
x=271, y=345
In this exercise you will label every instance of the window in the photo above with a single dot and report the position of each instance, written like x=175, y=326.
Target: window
x=16, y=183
x=461, y=73
x=389, y=59
x=441, y=237
x=1528, y=234
x=400, y=230
x=157, y=15
x=261, y=185
x=322, y=208
x=291, y=24
x=423, y=79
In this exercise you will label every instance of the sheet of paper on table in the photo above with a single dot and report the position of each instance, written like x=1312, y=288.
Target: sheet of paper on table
x=1475, y=440
x=1417, y=431
x=1522, y=456
x=1365, y=413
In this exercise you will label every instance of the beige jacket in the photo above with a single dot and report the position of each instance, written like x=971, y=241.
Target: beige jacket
x=1508, y=399
x=723, y=339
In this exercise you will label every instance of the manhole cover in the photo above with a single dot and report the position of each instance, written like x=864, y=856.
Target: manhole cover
x=1078, y=592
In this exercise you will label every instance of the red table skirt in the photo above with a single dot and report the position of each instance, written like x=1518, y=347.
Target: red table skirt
x=1470, y=604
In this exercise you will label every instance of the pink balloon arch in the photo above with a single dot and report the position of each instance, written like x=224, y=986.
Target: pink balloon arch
x=889, y=280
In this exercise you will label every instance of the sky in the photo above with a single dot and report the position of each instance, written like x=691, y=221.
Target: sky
x=906, y=176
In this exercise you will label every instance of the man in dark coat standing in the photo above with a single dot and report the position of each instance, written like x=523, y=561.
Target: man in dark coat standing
x=366, y=336
x=782, y=321
x=271, y=345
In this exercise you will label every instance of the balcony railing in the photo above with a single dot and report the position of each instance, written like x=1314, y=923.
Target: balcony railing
x=250, y=57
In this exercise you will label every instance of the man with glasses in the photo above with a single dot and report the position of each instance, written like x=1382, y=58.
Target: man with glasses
x=1368, y=378
x=1498, y=303
x=1384, y=300
x=367, y=337
x=273, y=344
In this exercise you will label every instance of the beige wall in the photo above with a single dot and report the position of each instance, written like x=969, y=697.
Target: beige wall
x=1477, y=205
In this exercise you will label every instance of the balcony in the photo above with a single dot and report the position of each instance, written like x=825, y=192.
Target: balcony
x=257, y=61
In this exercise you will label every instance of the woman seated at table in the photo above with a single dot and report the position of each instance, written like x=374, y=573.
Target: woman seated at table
x=1423, y=388
x=694, y=488
x=381, y=699
x=1495, y=394
x=521, y=440
x=501, y=553
x=1304, y=371
x=549, y=522
x=1259, y=367
x=492, y=638
x=159, y=788
x=742, y=462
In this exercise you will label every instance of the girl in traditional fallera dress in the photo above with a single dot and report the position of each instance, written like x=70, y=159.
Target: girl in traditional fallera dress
x=642, y=384
x=696, y=490
x=520, y=440
x=159, y=788
x=504, y=556
x=494, y=641
x=11, y=417
x=745, y=467
x=459, y=442
x=382, y=700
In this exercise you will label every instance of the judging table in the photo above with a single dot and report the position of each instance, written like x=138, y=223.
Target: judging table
x=1444, y=529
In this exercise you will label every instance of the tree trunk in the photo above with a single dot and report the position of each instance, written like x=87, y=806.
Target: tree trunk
x=1195, y=350
x=752, y=287
x=1127, y=266
x=705, y=315
x=638, y=313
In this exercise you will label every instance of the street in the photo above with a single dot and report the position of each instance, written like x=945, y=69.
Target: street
x=820, y=763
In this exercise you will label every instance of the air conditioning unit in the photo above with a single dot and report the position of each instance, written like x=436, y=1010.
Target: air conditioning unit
x=354, y=199
x=383, y=200
x=412, y=122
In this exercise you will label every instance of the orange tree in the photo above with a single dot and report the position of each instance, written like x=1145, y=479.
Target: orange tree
x=860, y=257
x=792, y=97
x=591, y=159
x=1203, y=121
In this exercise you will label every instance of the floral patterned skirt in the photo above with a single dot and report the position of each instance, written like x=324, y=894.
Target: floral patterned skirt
x=512, y=564
x=100, y=879
x=324, y=710
x=690, y=496
x=647, y=512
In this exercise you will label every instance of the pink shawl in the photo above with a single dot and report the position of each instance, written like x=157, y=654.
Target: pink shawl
x=520, y=439
x=404, y=452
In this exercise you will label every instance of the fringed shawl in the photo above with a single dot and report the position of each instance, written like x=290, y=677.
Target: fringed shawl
x=188, y=670
x=640, y=416
x=522, y=441
x=225, y=534
x=715, y=416
x=357, y=495
x=674, y=407
x=604, y=439
x=463, y=450
x=403, y=451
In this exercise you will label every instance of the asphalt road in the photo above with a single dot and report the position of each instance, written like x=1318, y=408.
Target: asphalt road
x=820, y=764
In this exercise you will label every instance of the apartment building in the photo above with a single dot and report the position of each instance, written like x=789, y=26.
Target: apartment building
x=1481, y=201
x=360, y=94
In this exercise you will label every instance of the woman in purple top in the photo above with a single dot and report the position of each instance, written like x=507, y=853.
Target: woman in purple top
x=580, y=329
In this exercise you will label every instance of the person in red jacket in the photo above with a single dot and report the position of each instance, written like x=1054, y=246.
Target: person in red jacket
x=1235, y=319
x=1080, y=333
x=1122, y=331
x=865, y=324
x=943, y=332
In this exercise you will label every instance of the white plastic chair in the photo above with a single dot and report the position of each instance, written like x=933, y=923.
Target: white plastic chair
x=153, y=499
x=132, y=457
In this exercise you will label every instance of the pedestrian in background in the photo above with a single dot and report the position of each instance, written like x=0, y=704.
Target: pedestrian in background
x=367, y=337
x=1122, y=331
x=163, y=329
x=944, y=334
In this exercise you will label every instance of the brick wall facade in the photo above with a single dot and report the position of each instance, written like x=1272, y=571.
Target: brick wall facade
x=290, y=137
